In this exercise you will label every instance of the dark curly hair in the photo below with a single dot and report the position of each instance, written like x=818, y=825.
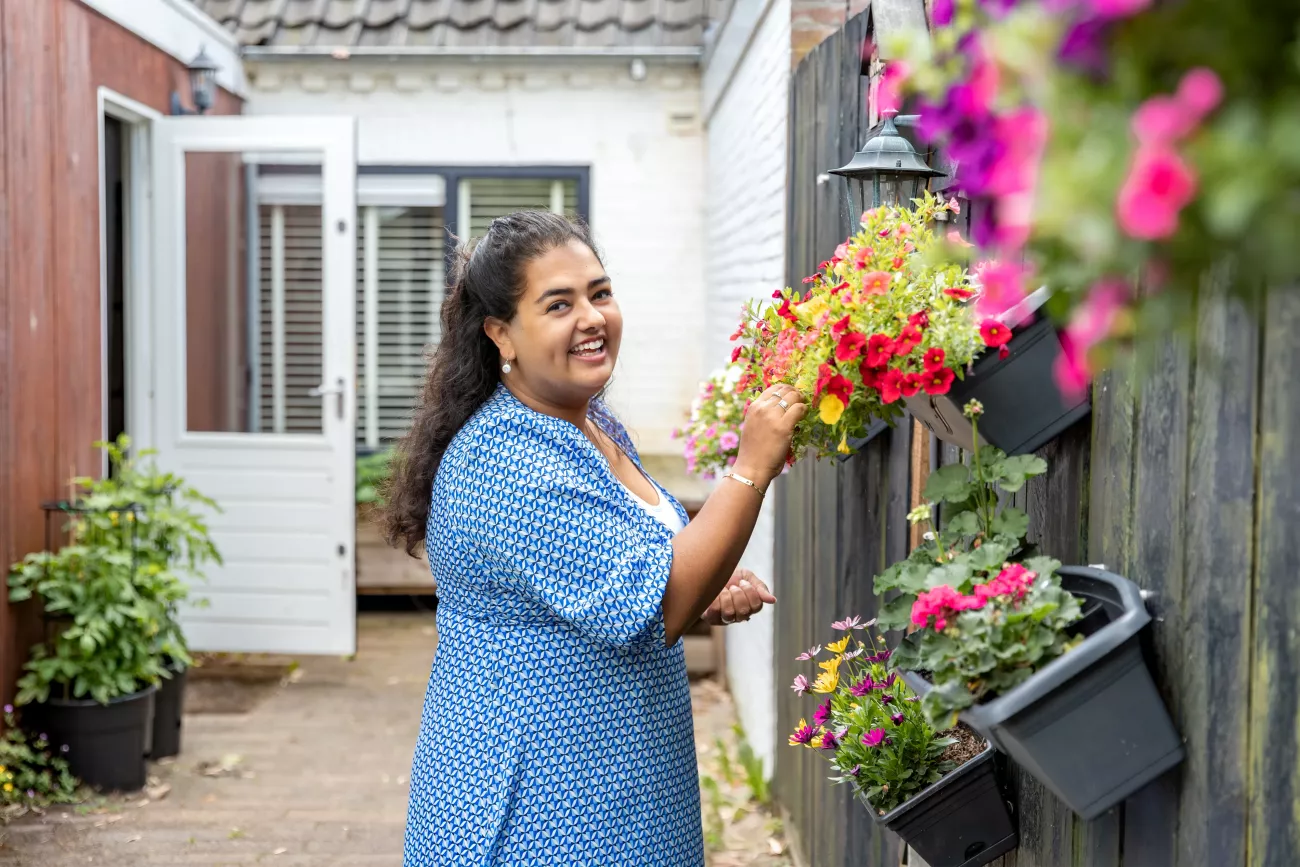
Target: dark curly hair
x=487, y=280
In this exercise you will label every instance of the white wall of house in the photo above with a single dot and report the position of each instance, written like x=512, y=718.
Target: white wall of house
x=746, y=88
x=642, y=140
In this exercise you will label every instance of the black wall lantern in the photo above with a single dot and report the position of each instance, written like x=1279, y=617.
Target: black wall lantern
x=887, y=171
x=203, y=85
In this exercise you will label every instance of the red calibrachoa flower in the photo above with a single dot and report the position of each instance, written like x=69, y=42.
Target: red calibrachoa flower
x=959, y=292
x=838, y=328
x=920, y=319
x=736, y=353
x=994, y=333
x=864, y=258
x=911, y=384
x=908, y=339
x=880, y=348
x=841, y=387
x=938, y=381
x=891, y=386
x=897, y=263
x=870, y=375
x=933, y=359
x=850, y=346
x=876, y=283
x=824, y=374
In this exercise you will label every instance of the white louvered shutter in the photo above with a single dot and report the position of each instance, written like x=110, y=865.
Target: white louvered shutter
x=400, y=274
x=290, y=318
x=484, y=199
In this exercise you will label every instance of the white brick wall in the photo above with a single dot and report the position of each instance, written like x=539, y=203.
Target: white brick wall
x=643, y=142
x=746, y=87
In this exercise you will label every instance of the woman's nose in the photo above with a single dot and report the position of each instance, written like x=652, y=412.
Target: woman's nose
x=589, y=317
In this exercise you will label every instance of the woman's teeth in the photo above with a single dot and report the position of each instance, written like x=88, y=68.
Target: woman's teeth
x=591, y=347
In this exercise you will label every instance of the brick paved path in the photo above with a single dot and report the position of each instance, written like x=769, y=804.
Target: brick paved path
x=320, y=779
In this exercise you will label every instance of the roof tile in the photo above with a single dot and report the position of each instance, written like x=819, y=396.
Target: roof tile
x=466, y=23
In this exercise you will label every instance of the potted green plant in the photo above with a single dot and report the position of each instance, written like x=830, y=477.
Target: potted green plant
x=33, y=772
x=1043, y=660
x=172, y=545
x=940, y=791
x=92, y=685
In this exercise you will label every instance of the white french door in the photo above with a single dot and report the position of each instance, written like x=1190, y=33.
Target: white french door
x=251, y=372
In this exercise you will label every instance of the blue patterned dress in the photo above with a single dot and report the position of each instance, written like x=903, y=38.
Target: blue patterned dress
x=557, y=725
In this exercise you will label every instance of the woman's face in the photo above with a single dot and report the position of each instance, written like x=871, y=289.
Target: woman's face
x=563, y=340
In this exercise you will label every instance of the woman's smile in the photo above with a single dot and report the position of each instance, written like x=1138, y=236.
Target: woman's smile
x=590, y=351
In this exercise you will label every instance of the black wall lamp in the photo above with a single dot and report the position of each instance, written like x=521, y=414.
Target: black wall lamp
x=203, y=85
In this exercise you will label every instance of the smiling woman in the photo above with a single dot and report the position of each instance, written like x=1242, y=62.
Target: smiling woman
x=566, y=574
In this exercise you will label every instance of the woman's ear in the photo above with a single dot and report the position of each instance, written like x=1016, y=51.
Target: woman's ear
x=497, y=332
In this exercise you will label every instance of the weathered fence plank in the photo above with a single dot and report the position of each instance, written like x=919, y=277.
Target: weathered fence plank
x=1275, y=684
x=1214, y=695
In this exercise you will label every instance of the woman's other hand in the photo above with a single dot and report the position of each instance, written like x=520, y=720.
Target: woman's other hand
x=765, y=438
x=742, y=598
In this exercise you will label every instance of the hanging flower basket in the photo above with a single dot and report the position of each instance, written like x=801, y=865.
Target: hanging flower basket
x=964, y=820
x=1024, y=407
x=1090, y=725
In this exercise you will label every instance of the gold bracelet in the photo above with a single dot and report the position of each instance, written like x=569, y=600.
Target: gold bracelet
x=744, y=481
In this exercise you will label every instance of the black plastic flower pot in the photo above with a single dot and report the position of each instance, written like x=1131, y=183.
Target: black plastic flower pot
x=963, y=820
x=1023, y=407
x=168, y=708
x=106, y=742
x=1090, y=725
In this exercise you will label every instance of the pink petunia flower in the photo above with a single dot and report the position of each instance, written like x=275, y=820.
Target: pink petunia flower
x=1159, y=185
x=729, y=440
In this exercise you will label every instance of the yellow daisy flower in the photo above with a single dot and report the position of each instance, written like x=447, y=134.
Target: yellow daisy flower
x=839, y=646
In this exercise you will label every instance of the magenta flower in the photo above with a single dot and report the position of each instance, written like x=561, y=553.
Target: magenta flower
x=1158, y=187
x=729, y=440
x=886, y=697
x=1200, y=90
x=9, y=708
x=1117, y=8
x=873, y=738
x=862, y=687
x=896, y=719
x=800, y=685
x=1002, y=285
x=889, y=94
x=830, y=741
x=802, y=735
x=822, y=714
x=941, y=13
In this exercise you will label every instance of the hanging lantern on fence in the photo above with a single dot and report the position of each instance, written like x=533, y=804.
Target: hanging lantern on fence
x=887, y=171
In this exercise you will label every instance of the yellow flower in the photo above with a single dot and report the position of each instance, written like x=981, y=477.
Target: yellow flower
x=832, y=665
x=839, y=646
x=812, y=308
x=9, y=787
x=830, y=409
x=2, y=769
x=844, y=444
x=815, y=743
x=827, y=681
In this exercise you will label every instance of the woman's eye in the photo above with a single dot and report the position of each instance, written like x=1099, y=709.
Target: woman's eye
x=558, y=305
x=602, y=294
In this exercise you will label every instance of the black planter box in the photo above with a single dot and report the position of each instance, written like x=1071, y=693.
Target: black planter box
x=963, y=820
x=168, y=708
x=106, y=742
x=1091, y=725
x=1023, y=408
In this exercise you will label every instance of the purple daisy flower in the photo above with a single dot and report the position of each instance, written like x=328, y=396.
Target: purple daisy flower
x=822, y=714
x=897, y=719
x=873, y=738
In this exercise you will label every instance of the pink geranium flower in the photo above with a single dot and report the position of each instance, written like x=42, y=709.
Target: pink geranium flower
x=1002, y=284
x=1159, y=185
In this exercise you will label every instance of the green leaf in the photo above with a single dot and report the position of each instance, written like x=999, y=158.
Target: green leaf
x=964, y=524
x=897, y=613
x=1011, y=473
x=1010, y=522
x=949, y=484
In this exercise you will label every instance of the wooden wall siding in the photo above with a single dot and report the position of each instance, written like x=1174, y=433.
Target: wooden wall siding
x=54, y=55
x=1184, y=479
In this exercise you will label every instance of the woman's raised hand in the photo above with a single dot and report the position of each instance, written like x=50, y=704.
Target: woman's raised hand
x=765, y=438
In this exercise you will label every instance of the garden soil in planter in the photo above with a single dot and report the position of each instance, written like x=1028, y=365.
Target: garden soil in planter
x=168, y=708
x=1023, y=408
x=963, y=820
x=1090, y=725
x=106, y=742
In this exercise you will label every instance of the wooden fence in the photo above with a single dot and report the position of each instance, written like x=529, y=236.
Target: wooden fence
x=1185, y=479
